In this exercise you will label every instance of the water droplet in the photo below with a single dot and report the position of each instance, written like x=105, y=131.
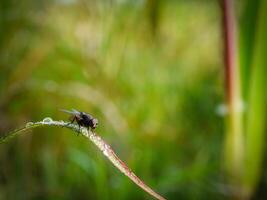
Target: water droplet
x=83, y=131
x=61, y=121
x=105, y=152
x=106, y=146
x=91, y=136
x=47, y=119
x=106, y=149
x=98, y=138
x=29, y=124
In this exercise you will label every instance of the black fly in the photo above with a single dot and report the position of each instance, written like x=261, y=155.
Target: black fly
x=82, y=119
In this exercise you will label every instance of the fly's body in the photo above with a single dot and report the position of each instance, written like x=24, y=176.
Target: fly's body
x=82, y=119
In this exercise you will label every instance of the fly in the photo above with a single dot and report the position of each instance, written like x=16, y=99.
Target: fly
x=82, y=119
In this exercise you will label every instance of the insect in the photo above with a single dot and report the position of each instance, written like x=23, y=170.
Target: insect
x=82, y=119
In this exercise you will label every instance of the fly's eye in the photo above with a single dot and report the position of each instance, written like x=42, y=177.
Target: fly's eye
x=95, y=122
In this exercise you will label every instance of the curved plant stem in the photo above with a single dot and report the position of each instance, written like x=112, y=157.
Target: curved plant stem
x=234, y=142
x=97, y=140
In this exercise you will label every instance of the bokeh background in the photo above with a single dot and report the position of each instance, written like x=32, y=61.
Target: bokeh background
x=151, y=71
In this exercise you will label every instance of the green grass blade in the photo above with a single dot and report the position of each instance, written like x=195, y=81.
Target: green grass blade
x=97, y=140
x=256, y=115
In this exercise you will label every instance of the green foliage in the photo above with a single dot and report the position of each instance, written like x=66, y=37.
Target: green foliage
x=247, y=135
x=256, y=101
x=97, y=140
x=152, y=73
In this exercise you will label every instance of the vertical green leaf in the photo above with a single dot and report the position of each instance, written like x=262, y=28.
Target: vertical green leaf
x=247, y=40
x=256, y=111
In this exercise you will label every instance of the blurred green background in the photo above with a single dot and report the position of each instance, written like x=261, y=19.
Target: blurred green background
x=150, y=71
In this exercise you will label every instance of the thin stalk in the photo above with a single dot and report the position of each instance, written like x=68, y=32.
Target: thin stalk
x=234, y=130
x=97, y=140
x=256, y=115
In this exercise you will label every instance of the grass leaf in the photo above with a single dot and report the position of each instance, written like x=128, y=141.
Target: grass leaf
x=97, y=140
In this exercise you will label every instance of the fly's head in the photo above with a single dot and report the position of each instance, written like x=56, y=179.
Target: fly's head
x=94, y=123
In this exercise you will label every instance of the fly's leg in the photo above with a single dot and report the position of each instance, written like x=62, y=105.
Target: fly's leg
x=79, y=131
x=73, y=118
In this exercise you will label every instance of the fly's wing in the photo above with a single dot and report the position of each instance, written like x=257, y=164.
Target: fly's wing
x=82, y=114
x=73, y=112
x=78, y=114
x=75, y=115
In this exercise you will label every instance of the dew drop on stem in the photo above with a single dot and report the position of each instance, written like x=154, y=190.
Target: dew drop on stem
x=47, y=119
x=29, y=124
